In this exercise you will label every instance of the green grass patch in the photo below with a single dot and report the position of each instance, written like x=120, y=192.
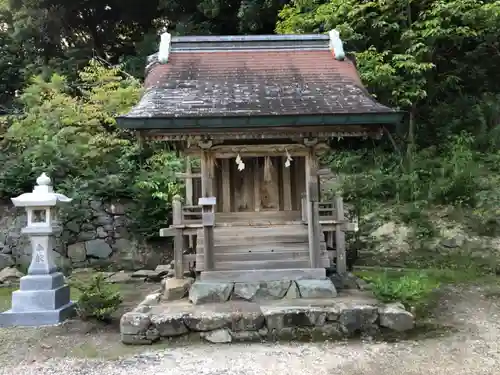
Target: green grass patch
x=417, y=289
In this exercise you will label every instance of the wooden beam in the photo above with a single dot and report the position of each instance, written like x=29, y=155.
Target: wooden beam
x=206, y=174
x=287, y=186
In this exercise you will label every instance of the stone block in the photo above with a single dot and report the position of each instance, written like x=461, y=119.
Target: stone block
x=37, y=318
x=267, y=290
x=135, y=339
x=98, y=249
x=77, y=252
x=169, y=324
x=121, y=277
x=316, y=288
x=279, y=317
x=246, y=336
x=293, y=291
x=134, y=323
x=206, y=292
x=10, y=274
x=219, y=336
x=394, y=316
x=357, y=317
x=40, y=300
x=6, y=260
x=149, y=275
x=42, y=282
x=174, y=289
x=238, y=316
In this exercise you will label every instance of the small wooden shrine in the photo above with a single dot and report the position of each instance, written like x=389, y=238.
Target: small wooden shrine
x=257, y=111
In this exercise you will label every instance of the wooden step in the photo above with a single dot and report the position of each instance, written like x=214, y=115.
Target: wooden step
x=242, y=257
x=253, y=264
x=261, y=248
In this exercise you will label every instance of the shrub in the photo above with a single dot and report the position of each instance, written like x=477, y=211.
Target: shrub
x=96, y=300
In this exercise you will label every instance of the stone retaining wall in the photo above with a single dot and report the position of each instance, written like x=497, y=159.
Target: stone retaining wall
x=318, y=319
x=96, y=234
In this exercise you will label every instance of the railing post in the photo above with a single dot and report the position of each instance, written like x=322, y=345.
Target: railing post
x=314, y=226
x=303, y=206
x=208, y=221
x=178, y=240
x=340, y=235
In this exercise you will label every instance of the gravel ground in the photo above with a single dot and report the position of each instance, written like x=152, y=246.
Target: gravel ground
x=471, y=349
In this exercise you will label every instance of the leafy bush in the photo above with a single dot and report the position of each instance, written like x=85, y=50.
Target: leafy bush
x=414, y=290
x=97, y=299
x=74, y=138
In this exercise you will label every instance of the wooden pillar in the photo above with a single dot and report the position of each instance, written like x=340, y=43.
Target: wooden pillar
x=340, y=235
x=189, y=182
x=226, y=185
x=207, y=174
x=312, y=209
x=287, y=186
x=178, y=239
x=256, y=184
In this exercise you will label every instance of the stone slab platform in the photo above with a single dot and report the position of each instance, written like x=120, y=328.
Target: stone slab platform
x=344, y=316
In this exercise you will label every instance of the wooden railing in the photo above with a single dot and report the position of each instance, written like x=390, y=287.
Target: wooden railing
x=331, y=219
x=184, y=220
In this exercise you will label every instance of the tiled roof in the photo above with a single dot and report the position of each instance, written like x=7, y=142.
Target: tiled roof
x=252, y=76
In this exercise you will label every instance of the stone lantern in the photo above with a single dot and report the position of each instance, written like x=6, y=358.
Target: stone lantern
x=43, y=298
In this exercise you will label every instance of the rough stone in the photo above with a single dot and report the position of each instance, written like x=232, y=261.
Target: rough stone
x=219, y=336
x=135, y=339
x=149, y=275
x=163, y=268
x=174, y=289
x=394, y=316
x=151, y=299
x=98, y=249
x=169, y=324
x=316, y=288
x=261, y=291
x=121, y=277
x=101, y=233
x=328, y=331
x=206, y=292
x=134, y=323
x=237, y=315
x=10, y=274
x=6, y=260
x=259, y=335
x=357, y=317
x=77, y=252
x=293, y=291
x=279, y=317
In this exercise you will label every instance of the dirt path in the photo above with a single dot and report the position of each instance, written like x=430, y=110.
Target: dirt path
x=471, y=349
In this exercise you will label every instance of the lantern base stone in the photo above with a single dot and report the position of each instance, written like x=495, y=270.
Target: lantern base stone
x=41, y=300
x=37, y=318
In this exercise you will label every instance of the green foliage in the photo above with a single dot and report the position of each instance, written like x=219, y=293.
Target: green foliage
x=414, y=290
x=74, y=138
x=97, y=300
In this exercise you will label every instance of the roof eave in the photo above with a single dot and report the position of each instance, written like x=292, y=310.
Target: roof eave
x=186, y=124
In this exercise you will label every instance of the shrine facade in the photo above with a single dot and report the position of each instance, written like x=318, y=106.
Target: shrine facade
x=257, y=112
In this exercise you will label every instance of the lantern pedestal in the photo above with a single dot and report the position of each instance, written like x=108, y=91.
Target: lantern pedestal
x=43, y=297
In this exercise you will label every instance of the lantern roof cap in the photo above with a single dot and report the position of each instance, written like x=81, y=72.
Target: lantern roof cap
x=43, y=195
